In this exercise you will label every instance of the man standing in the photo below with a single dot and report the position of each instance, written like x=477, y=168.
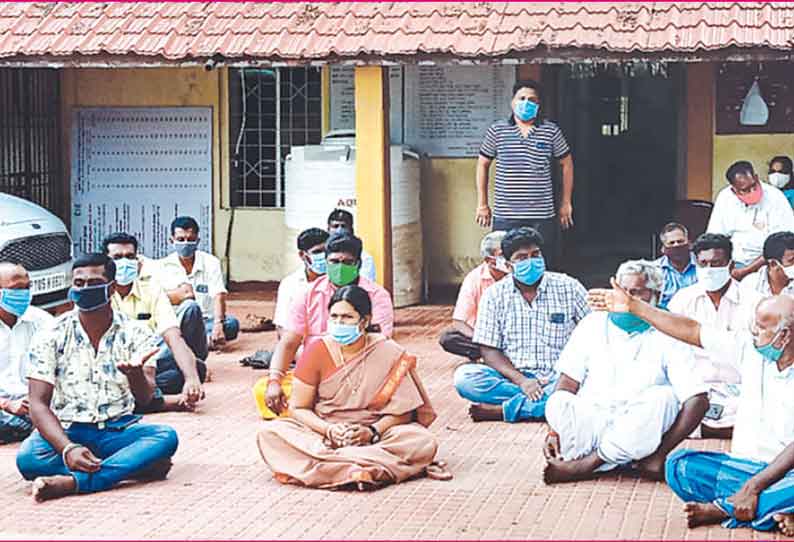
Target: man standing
x=19, y=323
x=777, y=276
x=677, y=262
x=85, y=377
x=340, y=221
x=524, y=147
x=748, y=211
x=753, y=486
x=308, y=320
x=140, y=298
x=311, y=251
x=523, y=324
x=457, y=339
x=190, y=274
x=716, y=300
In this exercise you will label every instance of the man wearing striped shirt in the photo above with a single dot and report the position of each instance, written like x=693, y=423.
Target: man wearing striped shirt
x=524, y=146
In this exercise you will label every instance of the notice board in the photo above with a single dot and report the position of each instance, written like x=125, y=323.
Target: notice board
x=135, y=169
x=449, y=108
x=776, y=83
x=343, y=102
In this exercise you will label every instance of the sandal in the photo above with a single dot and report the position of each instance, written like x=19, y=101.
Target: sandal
x=258, y=360
x=254, y=324
x=437, y=470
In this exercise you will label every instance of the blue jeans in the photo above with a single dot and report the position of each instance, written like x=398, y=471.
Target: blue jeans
x=713, y=477
x=480, y=383
x=126, y=448
x=231, y=327
x=14, y=428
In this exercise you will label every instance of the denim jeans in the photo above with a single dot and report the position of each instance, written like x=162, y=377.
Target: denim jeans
x=14, y=428
x=126, y=448
x=480, y=383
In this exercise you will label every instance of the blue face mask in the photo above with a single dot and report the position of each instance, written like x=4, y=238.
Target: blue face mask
x=186, y=249
x=529, y=271
x=15, y=300
x=90, y=298
x=344, y=334
x=318, y=265
x=769, y=351
x=126, y=271
x=526, y=110
x=628, y=322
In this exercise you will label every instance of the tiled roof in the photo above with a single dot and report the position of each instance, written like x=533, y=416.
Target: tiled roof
x=316, y=31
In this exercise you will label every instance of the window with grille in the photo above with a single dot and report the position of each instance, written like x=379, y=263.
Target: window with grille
x=30, y=136
x=270, y=111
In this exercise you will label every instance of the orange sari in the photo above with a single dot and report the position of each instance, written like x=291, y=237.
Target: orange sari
x=381, y=380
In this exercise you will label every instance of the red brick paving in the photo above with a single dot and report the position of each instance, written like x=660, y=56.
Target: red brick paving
x=220, y=488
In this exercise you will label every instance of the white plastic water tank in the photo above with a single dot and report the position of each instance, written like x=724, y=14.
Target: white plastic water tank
x=320, y=178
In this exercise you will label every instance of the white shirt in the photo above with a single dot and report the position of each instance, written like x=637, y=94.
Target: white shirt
x=748, y=226
x=734, y=314
x=206, y=278
x=613, y=367
x=765, y=418
x=758, y=282
x=367, y=266
x=289, y=289
x=14, y=348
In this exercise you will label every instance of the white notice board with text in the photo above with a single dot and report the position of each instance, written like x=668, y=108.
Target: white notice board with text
x=136, y=169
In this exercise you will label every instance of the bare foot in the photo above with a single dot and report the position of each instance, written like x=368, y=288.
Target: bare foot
x=156, y=471
x=652, y=467
x=558, y=471
x=208, y=378
x=486, y=413
x=53, y=487
x=785, y=522
x=698, y=513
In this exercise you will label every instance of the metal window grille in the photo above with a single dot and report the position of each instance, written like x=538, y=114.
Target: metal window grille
x=30, y=149
x=270, y=110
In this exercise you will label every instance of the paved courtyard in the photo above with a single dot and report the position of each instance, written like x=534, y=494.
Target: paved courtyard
x=220, y=488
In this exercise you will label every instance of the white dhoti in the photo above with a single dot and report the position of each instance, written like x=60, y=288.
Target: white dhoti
x=619, y=433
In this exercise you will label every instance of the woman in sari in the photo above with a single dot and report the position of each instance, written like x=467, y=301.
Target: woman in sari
x=359, y=414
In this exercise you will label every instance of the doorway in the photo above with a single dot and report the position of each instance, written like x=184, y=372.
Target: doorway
x=623, y=130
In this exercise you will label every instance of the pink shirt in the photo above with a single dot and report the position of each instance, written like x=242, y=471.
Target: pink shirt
x=475, y=283
x=309, y=313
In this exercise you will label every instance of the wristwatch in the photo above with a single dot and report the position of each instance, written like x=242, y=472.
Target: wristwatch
x=375, y=435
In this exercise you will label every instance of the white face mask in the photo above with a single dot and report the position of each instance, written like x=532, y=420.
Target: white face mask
x=713, y=278
x=789, y=271
x=501, y=264
x=779, y=179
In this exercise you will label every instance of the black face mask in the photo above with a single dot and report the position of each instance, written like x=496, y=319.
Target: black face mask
x=90, y=298
x=677, y=254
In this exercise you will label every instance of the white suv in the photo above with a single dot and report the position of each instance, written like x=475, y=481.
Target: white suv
x=39, y=241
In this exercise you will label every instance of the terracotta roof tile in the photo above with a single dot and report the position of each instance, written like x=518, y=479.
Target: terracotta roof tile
x=308, y=31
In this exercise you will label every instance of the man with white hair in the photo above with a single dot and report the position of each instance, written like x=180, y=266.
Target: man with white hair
x=457, y=338
x=627, y=394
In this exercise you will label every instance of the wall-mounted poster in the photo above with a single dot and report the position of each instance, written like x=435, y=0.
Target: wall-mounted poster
x=135, y=169
x=449, y=108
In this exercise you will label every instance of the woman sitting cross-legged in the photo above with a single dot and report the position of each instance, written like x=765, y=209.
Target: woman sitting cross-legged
x=358, y=412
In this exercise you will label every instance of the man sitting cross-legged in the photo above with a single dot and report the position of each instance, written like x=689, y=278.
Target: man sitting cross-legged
x=753, y=485
x=457, y=338
x=627, y=394
x=85, y=377
x=522, y=326
x=179, y=374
